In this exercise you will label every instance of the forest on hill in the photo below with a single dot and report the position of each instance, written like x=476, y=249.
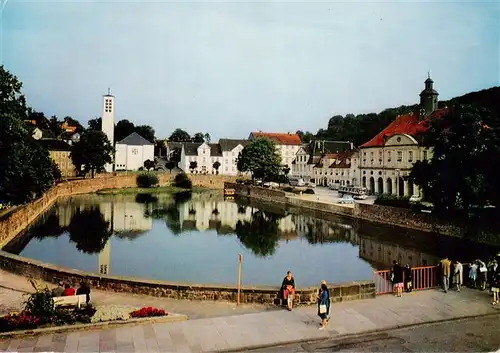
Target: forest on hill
x=362, y=127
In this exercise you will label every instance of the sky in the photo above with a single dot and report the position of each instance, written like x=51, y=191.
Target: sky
x=232, y=67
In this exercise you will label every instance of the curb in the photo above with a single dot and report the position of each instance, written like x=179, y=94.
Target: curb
x=348, y=336
x=170, y=318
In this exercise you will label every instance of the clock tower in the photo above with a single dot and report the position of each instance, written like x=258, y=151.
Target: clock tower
x=428, y=98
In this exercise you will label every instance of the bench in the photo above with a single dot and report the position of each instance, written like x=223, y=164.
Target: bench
x=70, y=300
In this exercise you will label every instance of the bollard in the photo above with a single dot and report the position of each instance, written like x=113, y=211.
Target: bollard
x=240, y=261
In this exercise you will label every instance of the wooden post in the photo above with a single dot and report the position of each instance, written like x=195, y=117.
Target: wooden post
x=240, y=261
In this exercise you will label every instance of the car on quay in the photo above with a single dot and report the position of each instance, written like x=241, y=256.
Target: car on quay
x=347, y=199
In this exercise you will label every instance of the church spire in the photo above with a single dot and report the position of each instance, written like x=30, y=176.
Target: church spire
x=428, y=97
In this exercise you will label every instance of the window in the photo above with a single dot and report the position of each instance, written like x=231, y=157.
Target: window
x=389, y=156
x=400, y=156
x=135, y=151
x=410, y=156
x=425, y=155
x=204, y=160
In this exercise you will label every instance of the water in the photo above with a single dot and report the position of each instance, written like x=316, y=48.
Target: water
x=196, y=239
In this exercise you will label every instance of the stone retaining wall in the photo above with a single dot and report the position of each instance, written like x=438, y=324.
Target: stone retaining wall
x=12, y=223
x=393, y=216
x=35, y=269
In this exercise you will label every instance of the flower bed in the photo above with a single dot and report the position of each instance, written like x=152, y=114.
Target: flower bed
x=39, y=312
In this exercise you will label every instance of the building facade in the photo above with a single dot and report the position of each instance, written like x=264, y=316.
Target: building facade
x=108, y=121
x=59, y=152
x=132, y=152
x=287, y=144
x=312, y=161
x=204, y=157
x=387, y=159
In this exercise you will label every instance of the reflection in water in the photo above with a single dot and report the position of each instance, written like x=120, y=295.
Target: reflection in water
x=194, y=237
x=89, y=230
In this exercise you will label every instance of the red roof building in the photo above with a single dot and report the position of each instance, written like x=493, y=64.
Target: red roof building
x=278, y=138
x=409, y=124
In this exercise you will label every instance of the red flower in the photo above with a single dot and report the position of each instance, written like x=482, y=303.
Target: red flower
x=148, y=311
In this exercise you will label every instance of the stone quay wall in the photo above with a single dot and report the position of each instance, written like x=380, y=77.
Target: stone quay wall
x=249, y=294
x=19, y=218
x=393, y=216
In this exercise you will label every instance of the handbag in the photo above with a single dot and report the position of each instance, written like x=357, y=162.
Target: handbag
x=322, y=308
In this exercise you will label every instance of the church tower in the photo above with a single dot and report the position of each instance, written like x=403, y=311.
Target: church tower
x=108, y=121
x=428, y=98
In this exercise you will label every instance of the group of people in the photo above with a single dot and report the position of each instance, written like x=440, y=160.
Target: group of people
x=480, y=276
x=65, y=289
x=323, y=298
x=401, y=278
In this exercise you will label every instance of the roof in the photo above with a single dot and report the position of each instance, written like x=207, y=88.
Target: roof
x=230, y=144
x=55, y=145
x=320, y=147
x=191, y=148
x=343, y=160
x=408, y=124
x=134, y=139
x=279, y=138
x=215, y=150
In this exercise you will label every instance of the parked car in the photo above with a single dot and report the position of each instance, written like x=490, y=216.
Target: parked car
x=310, y=185
x=415, y=198
x=346, y=199
x=271, y=184
x=361, y=197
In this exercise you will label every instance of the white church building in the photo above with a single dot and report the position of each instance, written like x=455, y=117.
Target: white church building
x=132, y=152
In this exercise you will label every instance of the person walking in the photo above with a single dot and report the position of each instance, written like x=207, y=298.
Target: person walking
x=495, y=286
x=473, y=274
x=445, y=270
x=482, y=275
x=397, y=278
x=458, y=271
x=323, y=304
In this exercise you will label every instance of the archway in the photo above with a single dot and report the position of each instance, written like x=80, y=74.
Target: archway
x=410, y=187
x=401, y=187
x=389, y=186
x=380, y=186
x=364, y=182
x=372, y=185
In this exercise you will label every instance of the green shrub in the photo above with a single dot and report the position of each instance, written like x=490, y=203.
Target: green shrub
x=309, y=191
x=147, y=180
x=181, y=180
x=288, y=189
x=41, y=305
x=393, y=201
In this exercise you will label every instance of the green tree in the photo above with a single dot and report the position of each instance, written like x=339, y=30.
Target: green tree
x=260, y=158
x=216, y=166
x=25, y=166
x=92, y=152
x=89, y=230
x=73, y=122
x=56, y=172
x=123, y=128
x=207, y=137
x=170, y=165
x=460, y=177
x=198, y=137
x=179, y=135
x=55, y=126
x=147, y=132
x=95, y=124
x=149, y=164
x=193, y=165
x=305, y=137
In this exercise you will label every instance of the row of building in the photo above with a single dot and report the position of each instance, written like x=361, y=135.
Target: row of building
x=382, y=164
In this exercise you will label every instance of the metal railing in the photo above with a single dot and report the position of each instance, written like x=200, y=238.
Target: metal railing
x=425, y=277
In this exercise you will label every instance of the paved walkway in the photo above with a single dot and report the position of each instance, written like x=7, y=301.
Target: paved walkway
x=276, y=327
x=11, y=299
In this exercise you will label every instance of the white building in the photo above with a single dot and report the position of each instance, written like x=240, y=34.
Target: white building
x=309, y=156
x=108, y=121
x=205, y=155
x=287, y=144
x=387, y=159
x=132, y=152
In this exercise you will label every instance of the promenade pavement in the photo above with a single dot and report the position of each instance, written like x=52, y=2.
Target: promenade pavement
x=267, y=328
x=13, y=288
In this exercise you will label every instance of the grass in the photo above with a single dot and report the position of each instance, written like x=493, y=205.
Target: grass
x=157, y=189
